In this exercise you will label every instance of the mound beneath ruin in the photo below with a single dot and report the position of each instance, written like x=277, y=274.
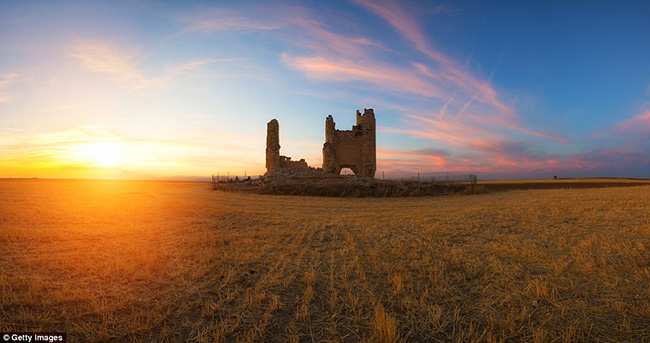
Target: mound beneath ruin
x=340, y=186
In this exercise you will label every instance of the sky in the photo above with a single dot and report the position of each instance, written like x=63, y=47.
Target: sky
x=183, y=89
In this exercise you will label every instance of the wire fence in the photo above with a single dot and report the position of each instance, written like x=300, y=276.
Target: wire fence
x=439, y=177
x=232, y=178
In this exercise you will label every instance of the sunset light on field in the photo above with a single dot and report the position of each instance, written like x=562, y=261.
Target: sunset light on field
x=150, y=89
x=325, y=171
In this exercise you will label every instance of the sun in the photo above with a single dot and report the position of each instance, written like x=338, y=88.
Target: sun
x=104, y=154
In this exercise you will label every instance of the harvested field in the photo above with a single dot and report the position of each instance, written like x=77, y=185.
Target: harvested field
x=562, y=183
x=119, y=261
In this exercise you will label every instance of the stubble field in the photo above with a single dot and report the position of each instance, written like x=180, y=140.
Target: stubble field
x=117, y=261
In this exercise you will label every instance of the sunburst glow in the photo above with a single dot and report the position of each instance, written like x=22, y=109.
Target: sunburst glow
x=499, y=89
x=104, y=154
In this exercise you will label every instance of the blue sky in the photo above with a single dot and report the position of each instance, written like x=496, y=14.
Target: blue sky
x=147, y=89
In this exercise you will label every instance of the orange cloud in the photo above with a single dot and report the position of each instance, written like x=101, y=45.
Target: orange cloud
x=66, y=153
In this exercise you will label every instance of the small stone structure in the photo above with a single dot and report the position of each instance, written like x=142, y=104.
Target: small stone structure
x=274, y=161
x=272, y=145
x=354, y=149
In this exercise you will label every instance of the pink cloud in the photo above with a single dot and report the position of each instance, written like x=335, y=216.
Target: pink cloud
x=448, y=69
x=480, y=150
x=460, y=133
x=428, y=157
x=382, y=76
x=622, y=157
x=313, y=34
x=448, y=74
x=472, y=118
x=405, y=24
x=498, y=121
x=637, y=125
x=330, y=43
x=228, y=20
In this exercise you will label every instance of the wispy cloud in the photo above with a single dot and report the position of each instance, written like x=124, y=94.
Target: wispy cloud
x=468, y=124
x=195, y=67
x=315, y=35
x=196, y=149
x=6, y=80
x=470, y=116
x=447, y=72
x=405, y=24
x=630, y=158
x=230, y=24
x=468, y=113
x=117, y=63
x=424, y=158
x=380, y=76
x=638, y=125
x=122, y=65
x=228, y=20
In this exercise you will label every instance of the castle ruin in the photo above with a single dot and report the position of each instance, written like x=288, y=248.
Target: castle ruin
x=354, y=149
x=274, y=160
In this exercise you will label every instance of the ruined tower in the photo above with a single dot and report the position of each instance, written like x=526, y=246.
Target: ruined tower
x=354, y=149
x=272, y=145
x=276, y=163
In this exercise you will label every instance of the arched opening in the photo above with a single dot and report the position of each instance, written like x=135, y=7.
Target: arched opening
x=346, y=171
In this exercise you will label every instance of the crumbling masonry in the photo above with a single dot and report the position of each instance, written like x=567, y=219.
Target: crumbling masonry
x=274, y=160
x=354, y=149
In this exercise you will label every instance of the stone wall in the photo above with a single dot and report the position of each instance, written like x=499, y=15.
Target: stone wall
x=277, y=164
x=354, y=149
x=272, y=145
x=286, y=162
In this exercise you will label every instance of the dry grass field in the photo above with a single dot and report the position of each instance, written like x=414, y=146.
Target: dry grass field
x=110, y=261
x=499, y=185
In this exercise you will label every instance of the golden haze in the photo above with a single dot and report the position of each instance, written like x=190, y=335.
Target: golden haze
x=174, y=261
